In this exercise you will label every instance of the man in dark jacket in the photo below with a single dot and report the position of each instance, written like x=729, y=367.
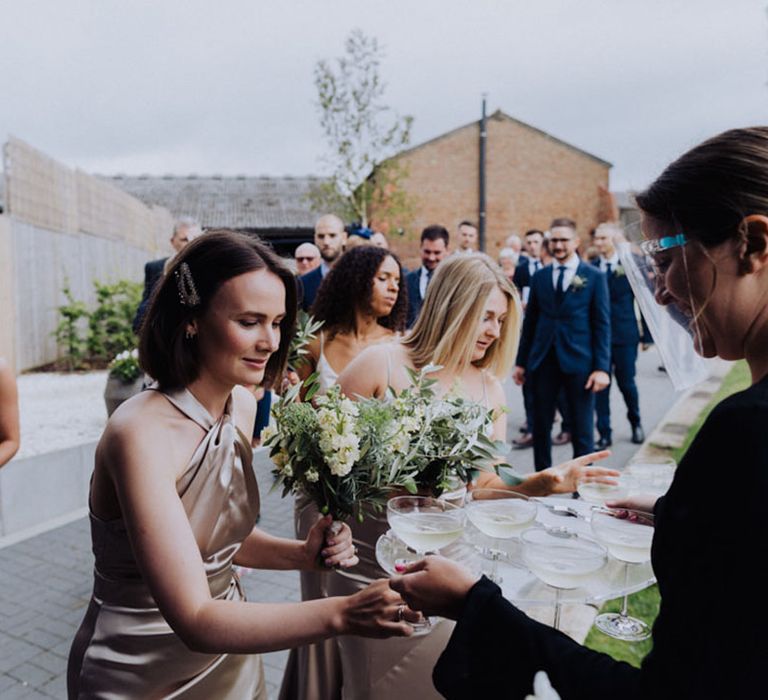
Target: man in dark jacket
x=184, y=230
x=625, y=337
x=434, y=248
x=565, y=343
x=330, y=238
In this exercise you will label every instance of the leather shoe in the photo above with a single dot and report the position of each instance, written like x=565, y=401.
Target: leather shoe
x=561, y=439
x=603, y=443
x=525, y=440
x=638, y=436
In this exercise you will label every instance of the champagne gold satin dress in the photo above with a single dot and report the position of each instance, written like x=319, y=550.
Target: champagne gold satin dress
x=399, y=668
x=124, y=647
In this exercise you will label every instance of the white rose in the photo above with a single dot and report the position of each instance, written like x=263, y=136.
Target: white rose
x=312, y=476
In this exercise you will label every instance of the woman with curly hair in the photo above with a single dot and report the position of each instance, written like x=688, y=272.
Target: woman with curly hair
x=360, y=303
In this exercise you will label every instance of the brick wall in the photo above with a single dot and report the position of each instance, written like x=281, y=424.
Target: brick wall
x=531, y=178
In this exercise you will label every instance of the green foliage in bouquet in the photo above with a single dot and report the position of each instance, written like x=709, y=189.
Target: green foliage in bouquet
x=306, y=331
x=440, y=439
x=351, y=457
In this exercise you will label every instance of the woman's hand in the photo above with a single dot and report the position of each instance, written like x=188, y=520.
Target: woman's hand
x=435, y=586
x=564, y=478
x=643, y=503
x=330, y=542
x=377, y=611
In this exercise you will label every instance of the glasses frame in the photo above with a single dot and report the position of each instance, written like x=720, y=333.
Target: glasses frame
x=657, y=245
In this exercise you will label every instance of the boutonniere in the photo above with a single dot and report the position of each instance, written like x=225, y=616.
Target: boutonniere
x=578, y=282
x=619, y=271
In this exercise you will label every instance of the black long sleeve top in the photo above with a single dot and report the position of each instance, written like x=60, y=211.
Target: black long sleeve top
x=709, y=554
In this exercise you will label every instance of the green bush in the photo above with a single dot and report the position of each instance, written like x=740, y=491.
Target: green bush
x=109, y=325
x=69, y=331
x=91, y=338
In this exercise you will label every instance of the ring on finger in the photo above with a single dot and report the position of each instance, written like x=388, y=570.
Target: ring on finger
x=400, y=612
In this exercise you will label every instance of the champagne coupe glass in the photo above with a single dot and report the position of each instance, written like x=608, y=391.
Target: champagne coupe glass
x=652, y=476
x=593, y=489
x=627, y=534
x=501, y=515
x=561, y=559
x=425, y=524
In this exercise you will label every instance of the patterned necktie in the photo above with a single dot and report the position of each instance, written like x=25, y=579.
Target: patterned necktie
x=559, y=289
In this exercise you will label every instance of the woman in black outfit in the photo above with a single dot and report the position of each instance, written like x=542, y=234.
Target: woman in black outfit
x=710, y=549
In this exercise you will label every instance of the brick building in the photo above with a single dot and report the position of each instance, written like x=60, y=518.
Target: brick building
x=531, y=177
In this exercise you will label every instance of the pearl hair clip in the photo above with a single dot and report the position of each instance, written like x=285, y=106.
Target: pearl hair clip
x=188, y=295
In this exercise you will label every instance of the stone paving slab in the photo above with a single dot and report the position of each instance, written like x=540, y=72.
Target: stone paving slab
x=45, y=581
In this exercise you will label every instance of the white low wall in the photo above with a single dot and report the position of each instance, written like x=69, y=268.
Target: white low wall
x=41, y=491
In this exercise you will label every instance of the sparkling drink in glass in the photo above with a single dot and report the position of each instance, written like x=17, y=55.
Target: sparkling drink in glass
x=501, y=515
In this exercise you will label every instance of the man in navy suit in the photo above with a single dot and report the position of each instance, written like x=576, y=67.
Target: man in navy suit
x=330, y=238
x=529, y=265
x=565, y=343
x=184, y=230
x=625, y=337
x=434, y=248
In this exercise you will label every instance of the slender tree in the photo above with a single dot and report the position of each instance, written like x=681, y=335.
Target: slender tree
x=362, y=134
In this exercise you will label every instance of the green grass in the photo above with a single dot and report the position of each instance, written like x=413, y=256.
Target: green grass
x=645, y=604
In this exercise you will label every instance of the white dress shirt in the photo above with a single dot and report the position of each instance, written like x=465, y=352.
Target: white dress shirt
x=571, y=265
x=423, y=281
x=532, y=263
x=613, y=261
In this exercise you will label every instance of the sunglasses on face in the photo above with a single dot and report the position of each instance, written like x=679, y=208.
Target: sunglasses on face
x=302, y=260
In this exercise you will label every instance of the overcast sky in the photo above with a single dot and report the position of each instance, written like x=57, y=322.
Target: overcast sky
x=181, y=87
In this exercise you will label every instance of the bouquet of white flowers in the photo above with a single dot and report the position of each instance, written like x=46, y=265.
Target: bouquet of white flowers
x=350, y=456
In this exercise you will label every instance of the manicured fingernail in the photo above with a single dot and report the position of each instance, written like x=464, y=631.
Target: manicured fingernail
x=399, y=568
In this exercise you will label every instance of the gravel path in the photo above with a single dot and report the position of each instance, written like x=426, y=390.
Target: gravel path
x=60, y=410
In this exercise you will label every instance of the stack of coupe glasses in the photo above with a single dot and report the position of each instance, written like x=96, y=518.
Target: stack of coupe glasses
x=483, y=527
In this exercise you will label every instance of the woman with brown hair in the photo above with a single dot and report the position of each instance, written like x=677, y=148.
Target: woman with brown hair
x=174, y=498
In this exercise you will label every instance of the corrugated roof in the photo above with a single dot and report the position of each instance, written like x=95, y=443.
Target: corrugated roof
x=228, y=201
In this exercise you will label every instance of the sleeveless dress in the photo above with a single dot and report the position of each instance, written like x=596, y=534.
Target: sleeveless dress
x=124, y=647
x=382, y=669
x=356, y=668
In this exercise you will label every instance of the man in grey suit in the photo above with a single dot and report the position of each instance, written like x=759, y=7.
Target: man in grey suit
x=434, y=247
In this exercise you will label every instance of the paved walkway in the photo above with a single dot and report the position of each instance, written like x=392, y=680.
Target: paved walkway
x=45, y=581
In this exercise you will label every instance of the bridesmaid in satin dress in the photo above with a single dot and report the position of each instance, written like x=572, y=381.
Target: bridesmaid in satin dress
x=468, y=325
x=361, y=302
x=174, y=499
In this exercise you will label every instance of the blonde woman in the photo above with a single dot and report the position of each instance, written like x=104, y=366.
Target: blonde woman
x=469, y=325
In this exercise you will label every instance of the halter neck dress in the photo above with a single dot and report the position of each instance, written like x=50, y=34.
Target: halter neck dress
x=124, y=647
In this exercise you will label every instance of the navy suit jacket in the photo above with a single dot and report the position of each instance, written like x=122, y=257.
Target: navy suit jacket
x=414, y=296
x=310, y=283
x=579, y=327
x=522, y=276
x=624, y=326
x=153, y=272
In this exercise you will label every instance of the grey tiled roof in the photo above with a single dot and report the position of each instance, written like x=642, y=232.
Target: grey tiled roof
x=235, y=202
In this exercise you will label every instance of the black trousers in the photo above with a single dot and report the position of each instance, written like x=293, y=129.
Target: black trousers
x=548, y=380
x=623, y=362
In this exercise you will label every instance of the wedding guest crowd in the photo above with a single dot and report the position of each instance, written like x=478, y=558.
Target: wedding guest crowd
x=330, y=239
